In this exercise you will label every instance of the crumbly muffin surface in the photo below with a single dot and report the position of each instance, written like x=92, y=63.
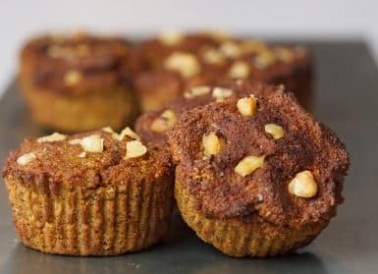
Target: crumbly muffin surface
x=87, y=159
x=213, y=145
x=98, y=193
x=75, y=64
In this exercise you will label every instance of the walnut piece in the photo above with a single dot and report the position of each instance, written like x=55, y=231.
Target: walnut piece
x=184, y=63
x=135, y=149
x=253, y=46
x=72, y=77
x=265, y=59
x=249, y=164
x=108, y=130
x=197, y=91
x=303, y=185
x=276, y=131
x=230, y=49
x=92, y=143
x=165, y=121
x=126, y=132
x=74, y=141
x=220, y=93
x=213, y=56
x=26, y=158
x=284, y=54
x=212, y=144
x=55, y=137
x=247, y=106
x=171, y=38
x=239, y=69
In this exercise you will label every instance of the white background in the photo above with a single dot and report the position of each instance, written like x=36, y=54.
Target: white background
x=298, y=19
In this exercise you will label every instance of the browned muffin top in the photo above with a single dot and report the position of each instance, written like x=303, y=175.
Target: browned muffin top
x=263, y=155
x=193, y=55
x=175, y=63
x=76, y=63
x=153, y=52
x=151, y=126
x=90, y=159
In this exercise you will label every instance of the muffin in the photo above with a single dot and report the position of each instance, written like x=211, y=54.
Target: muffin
x=152, y=126
x=98, y=193
x=172, y=64
x=256, y=175
x=78, y=82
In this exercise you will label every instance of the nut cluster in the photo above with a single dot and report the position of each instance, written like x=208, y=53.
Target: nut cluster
x=92, y=144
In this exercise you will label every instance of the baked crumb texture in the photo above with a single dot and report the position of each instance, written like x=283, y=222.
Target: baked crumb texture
x=98, y=193
x=256, y=175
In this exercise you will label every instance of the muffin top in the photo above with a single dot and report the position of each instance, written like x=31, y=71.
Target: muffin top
x=200, y=58
x=263, y=155
x=76, y=63
x=153, y=52
x=152, y=126
x=92, y=160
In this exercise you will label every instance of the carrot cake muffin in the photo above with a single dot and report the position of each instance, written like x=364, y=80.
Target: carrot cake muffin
x=256, y=175
x=172, y=64
x=97, y=193
x=77, y=83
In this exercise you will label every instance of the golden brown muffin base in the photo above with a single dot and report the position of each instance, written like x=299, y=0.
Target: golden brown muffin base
x=73, y=220
x=236, y=237
x=75, y=113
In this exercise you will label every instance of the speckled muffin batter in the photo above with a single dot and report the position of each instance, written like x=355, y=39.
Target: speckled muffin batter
x=256, y=175
x=77, y=82
x=97, y=193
